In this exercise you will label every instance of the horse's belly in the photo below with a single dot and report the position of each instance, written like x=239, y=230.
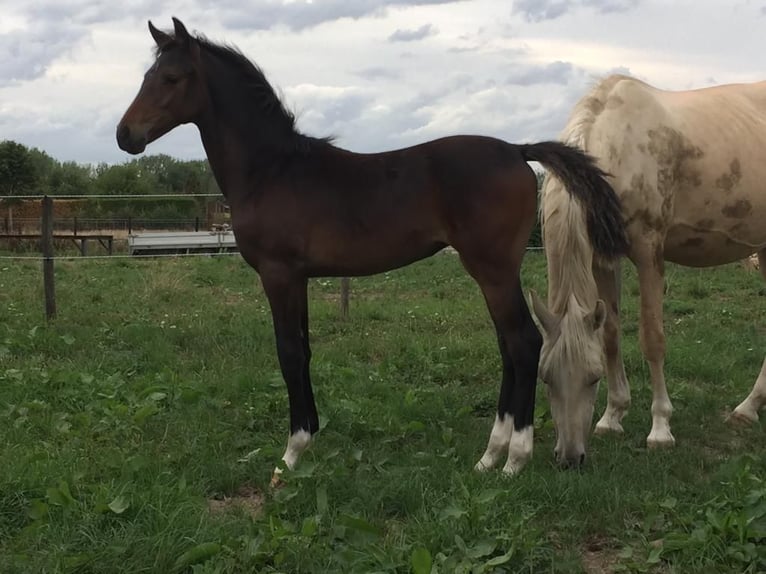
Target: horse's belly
x=695, y=246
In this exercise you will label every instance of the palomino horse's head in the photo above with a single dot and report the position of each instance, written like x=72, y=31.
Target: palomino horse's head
x=571, y=365
x=171, y=94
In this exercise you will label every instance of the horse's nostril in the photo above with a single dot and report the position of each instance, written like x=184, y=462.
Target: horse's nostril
x=123, y=132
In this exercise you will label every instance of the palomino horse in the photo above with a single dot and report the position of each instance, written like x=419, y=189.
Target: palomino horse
x=302, y=208
x=688, y=168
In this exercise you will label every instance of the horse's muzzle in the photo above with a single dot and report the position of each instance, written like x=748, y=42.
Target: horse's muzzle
x=133, y=143
x=567, y=461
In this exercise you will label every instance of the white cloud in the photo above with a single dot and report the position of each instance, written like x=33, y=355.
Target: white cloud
x=539, y=10
x=27, y=53
x=69, y=68
x=412, y=35
x=302, y=14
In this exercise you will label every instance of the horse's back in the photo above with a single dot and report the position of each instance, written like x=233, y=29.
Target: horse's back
x=686, y=164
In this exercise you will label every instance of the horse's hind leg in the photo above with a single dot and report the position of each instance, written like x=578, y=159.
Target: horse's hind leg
x=608, y=280
x=519, y=342
x=502, y=429
x=747, y=410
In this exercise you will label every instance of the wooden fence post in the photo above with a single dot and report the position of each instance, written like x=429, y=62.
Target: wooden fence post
x=344, y=287
x=47, y=248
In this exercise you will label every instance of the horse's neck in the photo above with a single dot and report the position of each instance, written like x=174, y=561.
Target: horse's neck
x=569, y=253
x=239, y=144
x=227, y=163
x=239, y=163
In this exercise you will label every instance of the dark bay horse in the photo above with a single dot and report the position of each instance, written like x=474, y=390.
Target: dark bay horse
x=302, y=207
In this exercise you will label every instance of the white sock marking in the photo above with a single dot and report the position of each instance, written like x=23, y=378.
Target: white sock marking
x=756, y=400
x=296, y=444
x=519, y=449
x=498, y=442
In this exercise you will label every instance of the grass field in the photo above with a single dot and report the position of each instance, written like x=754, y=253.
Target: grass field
x=138, y=432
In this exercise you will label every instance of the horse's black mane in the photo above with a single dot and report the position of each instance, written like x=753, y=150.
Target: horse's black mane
x=261, y=97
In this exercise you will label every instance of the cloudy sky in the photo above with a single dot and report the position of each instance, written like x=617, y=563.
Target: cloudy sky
x=377, y=74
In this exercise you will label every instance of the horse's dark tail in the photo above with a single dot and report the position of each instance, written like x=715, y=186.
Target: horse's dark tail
x=585, y=181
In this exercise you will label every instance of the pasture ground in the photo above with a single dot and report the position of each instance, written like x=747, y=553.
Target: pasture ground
x=139, y=431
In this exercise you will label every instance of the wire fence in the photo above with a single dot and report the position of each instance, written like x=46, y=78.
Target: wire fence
x=116, y=213
x=146, y=256
x=111, y=196
x=118, y=256
x=23, y=234
x=119, y=224
x=47, y=234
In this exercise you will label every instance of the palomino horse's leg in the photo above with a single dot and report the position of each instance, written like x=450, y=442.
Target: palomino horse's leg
x=748, y=409
x=609, y=281
x=289, y=308
x=650, y=264
x=520, y=344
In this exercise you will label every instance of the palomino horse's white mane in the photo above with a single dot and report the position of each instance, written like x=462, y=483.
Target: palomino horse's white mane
x=565, y=234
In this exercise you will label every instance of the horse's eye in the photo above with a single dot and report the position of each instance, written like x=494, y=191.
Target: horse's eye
x=170, y=79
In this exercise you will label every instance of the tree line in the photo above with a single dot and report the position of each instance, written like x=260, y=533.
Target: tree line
x=30, y=171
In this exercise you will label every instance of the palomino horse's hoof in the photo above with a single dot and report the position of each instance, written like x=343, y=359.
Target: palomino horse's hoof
x=602, y=430
x=660, y=443
x=742, y=419
x=276, y=481
x=512, y=469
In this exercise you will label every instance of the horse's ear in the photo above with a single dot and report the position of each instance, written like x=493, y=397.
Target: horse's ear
x=547, y=320
x=182, y=35
x=597, y=317
x=184, y=38
x=159, y=36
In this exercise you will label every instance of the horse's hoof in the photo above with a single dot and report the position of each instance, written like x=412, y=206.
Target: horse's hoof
x=605, y=429
x=660, y=442
x=742, y=418
x=514, y=467
x=276, y=481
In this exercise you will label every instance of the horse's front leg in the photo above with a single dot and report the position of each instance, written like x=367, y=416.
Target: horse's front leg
x=649, y=261
x=288, y=298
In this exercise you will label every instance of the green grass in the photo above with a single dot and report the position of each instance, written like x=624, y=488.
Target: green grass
x=157, y=391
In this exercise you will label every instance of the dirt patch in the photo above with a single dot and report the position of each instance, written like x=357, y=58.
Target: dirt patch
x=247, y=499
x=599, y=556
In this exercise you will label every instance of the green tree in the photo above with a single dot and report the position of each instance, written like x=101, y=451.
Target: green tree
x=170, y=175
x=44, y=167
x=159, y=170
x=206, y=182
x=17, y=169
x=17, y=174
x=69, y=178
x=122, y=179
